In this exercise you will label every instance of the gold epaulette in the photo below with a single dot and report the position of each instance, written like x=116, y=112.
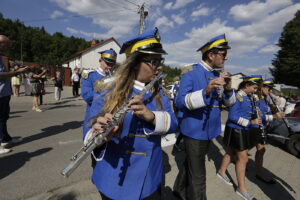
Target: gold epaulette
x=239, y=97
x=85, y=74
x=256, y=97
x=99, y=84
x=187, y=69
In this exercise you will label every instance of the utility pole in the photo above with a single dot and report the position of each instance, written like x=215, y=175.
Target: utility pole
x=143, y=15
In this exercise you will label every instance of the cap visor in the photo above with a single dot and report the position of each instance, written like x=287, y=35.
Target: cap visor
x=153, y=51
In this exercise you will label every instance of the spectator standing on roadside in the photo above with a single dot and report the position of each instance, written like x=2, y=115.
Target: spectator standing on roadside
x=27, y=85
x=42, y=82
x=75, y=82
x=5, y=93
x=16, y=82
x=58, y=85
x=35, y=77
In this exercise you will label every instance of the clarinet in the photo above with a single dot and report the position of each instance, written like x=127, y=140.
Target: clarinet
x=263, y=133
x=283, y=119
x=98, y=138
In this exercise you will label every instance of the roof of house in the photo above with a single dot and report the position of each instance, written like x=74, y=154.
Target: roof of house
x=91, y=47
x=240, y=73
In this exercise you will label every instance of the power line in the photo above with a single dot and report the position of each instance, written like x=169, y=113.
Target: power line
x=108, y=1
x=132, y=3
x=74, y=16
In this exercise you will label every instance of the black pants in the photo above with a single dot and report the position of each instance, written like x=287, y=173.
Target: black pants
x=75, y=88
x=190, y=183
x=41, y=99
x=4, y=115
x=155, y=196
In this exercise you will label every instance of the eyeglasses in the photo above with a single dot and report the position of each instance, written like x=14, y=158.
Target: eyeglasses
x=222, y=54
x=155, y=62
x=110, y=64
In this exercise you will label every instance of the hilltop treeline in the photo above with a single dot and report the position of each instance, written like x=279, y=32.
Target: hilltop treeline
x=36, y=45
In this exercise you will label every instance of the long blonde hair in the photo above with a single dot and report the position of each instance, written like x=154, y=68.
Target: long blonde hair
x=121, y=87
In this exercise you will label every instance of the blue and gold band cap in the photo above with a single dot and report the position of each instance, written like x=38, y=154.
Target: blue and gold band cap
x=219, y=42
x=268, y=82
x=252, y=78
x=148, y=42
x=109, y=55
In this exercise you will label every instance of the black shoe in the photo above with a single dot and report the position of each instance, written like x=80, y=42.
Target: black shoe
x=271, y=181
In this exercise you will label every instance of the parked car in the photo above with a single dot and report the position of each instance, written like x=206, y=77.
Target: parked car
x=170, y=89
x=290, y=130
x=296, y=111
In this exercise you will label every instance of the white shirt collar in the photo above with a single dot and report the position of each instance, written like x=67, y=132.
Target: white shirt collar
x=100, y=71
x=139, y=85
x=206, y=66
x=242, y=93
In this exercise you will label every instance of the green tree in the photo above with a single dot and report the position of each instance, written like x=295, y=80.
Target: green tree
x=34, y=44
x=172, y=73
x=287, y=62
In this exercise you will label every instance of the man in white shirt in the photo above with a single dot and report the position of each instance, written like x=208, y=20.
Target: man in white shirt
x=75, y=82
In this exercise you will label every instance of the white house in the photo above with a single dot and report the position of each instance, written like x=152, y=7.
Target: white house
x=89, y=58
x=236, y=80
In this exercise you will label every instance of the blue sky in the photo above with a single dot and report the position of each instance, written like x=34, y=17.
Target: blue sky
x=251, y=27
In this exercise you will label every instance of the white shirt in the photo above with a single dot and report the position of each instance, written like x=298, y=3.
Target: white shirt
x=75, y=77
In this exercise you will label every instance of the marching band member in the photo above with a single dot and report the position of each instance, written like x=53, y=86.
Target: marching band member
x=107, y=61
x=237, y=136
x=266, y=88
x=130, y=164
x=198, y=99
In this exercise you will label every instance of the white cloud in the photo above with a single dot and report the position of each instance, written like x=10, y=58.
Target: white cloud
x=269, y=49
x=262, y=70
x=178, y=19
x=232, y=67
x=177, y=4
x=201, y=11
x=257, y=10
x=163, y=23
x=56, y=14
x=87, y=34
x=118, y=18
x=243, y=40
x=168, y=5
x=72, y=30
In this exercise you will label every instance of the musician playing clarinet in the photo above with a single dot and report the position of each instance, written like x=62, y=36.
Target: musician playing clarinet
x=266, y=87
x=129, y=167
x=239, y=136
x=200, y=99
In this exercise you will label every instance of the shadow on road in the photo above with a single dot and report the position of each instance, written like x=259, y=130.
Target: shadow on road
x=53, y=130
x=60, y=102
x=12, y=114
x=277, y=191
x=68, y=196
x=17, y=112
x=62, y=106
x=214, y=153
x=167, y=193
x=13, y=162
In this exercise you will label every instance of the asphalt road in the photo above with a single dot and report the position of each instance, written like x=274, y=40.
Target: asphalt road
x=32, y=170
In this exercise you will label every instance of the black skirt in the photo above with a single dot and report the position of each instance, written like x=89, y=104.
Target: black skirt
x=241, y=139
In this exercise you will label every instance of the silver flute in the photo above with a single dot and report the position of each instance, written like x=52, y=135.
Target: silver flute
x=98, y=138
x=220, y=90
